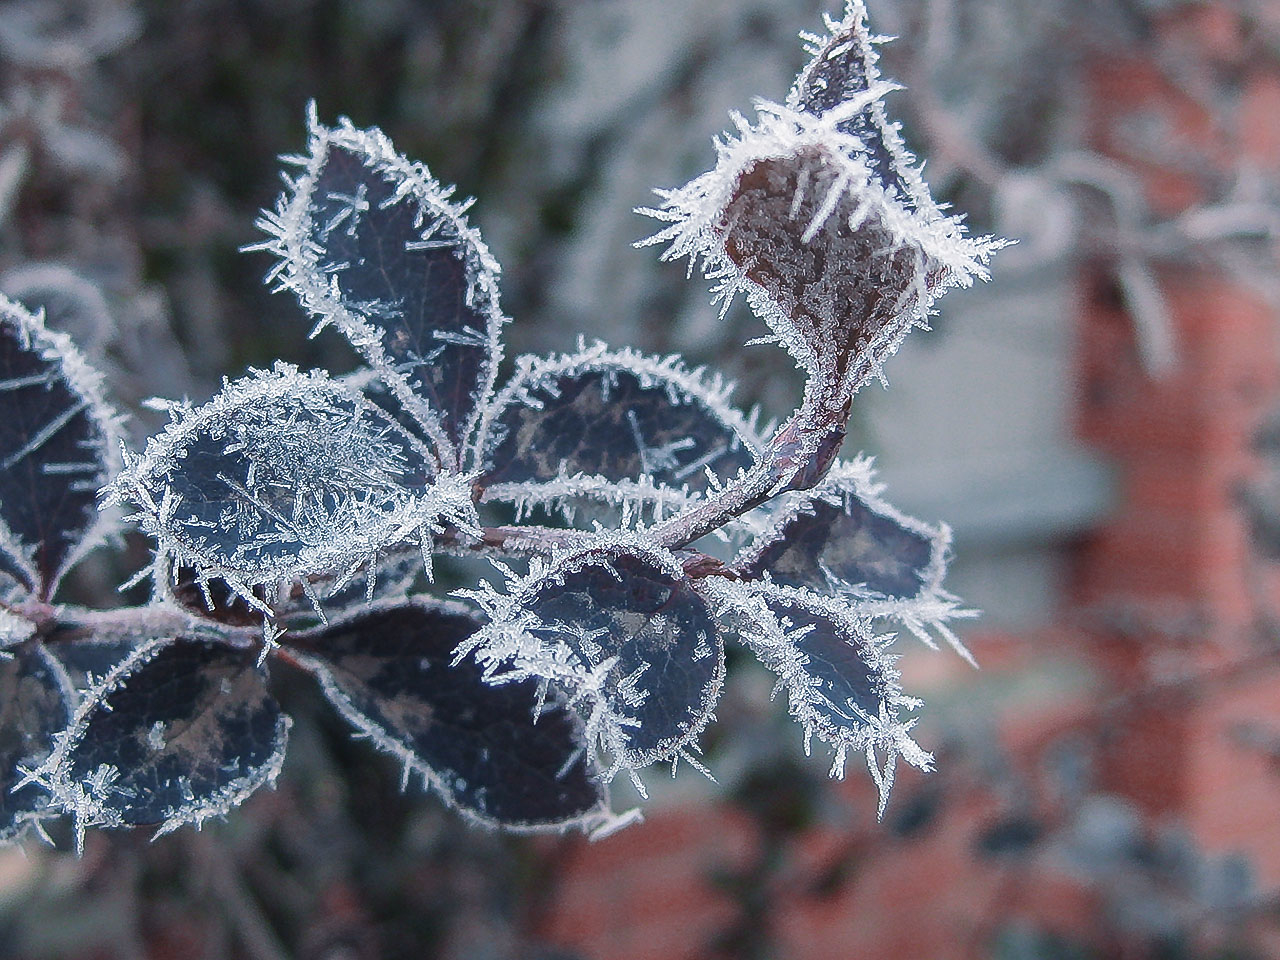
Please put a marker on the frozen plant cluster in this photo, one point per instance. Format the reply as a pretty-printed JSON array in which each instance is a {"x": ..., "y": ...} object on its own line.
[{"x": 635, "y": 520}]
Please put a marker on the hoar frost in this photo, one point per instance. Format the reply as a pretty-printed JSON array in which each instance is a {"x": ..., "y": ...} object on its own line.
[
  {"x": 298, "y": 506},
  {"x": 285, "y": 474},
  {"x": 818, "y": 213}
]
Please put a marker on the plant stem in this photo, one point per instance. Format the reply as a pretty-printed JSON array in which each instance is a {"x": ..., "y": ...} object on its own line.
[{"x": 797, "y": 458}]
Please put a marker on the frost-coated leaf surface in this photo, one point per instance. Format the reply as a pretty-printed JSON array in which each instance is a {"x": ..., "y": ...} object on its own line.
[
  {"x": 285, "y": 474},
  {"x": 817, "y": 213},
  {"x": 389, "y": 672},
  {"x": 35, "y": 703},
  {"x": 845, "y": 537},
  {"x": 612, "y": 425},
  {"x": 625, "y": 635},
  {"x": 181, "y": 731},
  {"x": 840, "y": 682},
  {"x": 373, "y": 244},
  {"x": 57, "y": 447},
  {"x": 843, "y": 70}
]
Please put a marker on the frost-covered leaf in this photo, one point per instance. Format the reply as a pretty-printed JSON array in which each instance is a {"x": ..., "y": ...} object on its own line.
[
  {"x": 818, "y": 214},
  {"x": 57, "y": 447},
  {"x": 88, "y": 660},
  {"x": 35, "y": 703},
  {"x": 371, "y": 243},
  {"x": 180, "y": 731},
  {"x": 842, "y": 537},
  {"x": 623, "y": 633},
  {"x": 389, "y": 672},
  {"x": 842, "y": 71},
  {"x": 840, "y": 682},
  {"x": 285, "y": 474},
  {"x": 613, "y": 426}
]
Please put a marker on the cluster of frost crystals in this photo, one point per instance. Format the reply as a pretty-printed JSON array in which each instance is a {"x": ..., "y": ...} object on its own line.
[
  {"x": 643, "y": 434},
  {"x": 373, "y": 245},
  {"x": 818, "y": 213},
  {"x": 605, "y": 651},
  {"x": 285, "y": 474},
  {"x": 57, "y": 447}
]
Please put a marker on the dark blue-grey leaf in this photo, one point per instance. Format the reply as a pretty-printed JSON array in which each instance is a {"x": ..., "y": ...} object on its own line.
[
  {"x": 56, "y": 450},
  {"x": 388, "y": 671},
  {"x": 180, "y": 731},
  {"x": 285, "y": 474},
  {"x": 35, "y": 703},
  {"x": 846, "y": 683},
  {"x": 843, "y": 68},
  {"x": 657, "y": 641},
  {"x": 373, "y": 244},
  {"x": 847, "y": 538},
  {"x": 839, "y": 678},
  {"x": 617, "y": 416}
]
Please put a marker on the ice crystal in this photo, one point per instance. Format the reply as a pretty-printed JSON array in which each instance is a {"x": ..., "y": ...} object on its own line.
[
  {"x": 818, "y": 213},
  {"x": 283, "y": 474},
  {"x": 57, "y": 446},
  {"x": 293, "y": 512}
]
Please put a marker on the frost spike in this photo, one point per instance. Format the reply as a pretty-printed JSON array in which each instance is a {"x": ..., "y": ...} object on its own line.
[
  {"x": 373, "y": 245},
  {"x": 819, "y": 214},
  {"x": 58, "y": 444}
]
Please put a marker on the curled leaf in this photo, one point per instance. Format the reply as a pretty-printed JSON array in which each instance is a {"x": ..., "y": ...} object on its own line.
[
  {"x": 817, "y": 213},
  {"x": 57, "y": 447},
  {"x": 480, "y": 746}
]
